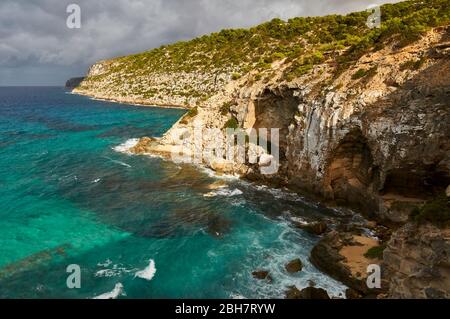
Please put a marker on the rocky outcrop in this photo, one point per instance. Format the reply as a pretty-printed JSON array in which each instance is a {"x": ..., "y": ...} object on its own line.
[
  {"x": 262, "y": 275},
  {"x": 74, "y": 82},
  {"x": 341, "y": 255},
  {"x": 370, "y": 133},
  {"x": 309, "y": 293},
  {"x": 294, "y": 266},
  {"x": 417, "y": 261},
  {"x": 379, "y": 147}
]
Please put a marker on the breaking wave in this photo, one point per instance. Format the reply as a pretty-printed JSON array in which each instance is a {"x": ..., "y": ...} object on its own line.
[
  {"x": 113, "y": 294},
  {"x": 148, "y": 273}
]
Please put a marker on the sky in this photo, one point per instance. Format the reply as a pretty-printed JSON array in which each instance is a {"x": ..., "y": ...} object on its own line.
[{"x": 37, "y": 47}]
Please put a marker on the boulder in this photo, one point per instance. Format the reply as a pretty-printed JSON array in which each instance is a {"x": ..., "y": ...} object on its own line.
[
  {"x": 315, "y": 228},
  {"x": 262, "y": 275},
  {"x": 293, "y": 293},
  {"x": 265, "y": 160},
  {"x": 307, "y": 293},
  {"x": 352, "y": 294},
  {"x": 294, "y": 266}
]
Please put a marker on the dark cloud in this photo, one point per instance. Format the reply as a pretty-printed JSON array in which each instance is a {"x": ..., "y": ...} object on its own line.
[{"x": 36, "y": 47}]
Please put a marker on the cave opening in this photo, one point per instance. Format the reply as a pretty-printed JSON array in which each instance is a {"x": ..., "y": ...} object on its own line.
[
  {"x": 351, "y": 173},
  {"x": 416, "y": 181},
  {"x": 276, "y": 110}
]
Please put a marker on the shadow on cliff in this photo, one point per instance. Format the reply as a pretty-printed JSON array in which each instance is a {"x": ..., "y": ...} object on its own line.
[{"x": 407, "y": 159}]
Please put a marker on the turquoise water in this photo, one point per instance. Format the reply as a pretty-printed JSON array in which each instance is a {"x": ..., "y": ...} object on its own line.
[{"x": 69, "y": 196}]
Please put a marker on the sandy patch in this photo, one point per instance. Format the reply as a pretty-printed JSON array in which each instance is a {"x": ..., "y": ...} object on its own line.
[{"x": 355, "y": 258}]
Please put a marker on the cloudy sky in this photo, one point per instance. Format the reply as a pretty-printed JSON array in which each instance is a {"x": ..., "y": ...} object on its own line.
[{"x": 37, "y": 48}]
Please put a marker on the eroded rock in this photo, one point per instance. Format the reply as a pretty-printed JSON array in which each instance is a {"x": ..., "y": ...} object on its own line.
[
  {"x": 294, "y": 266},
  {"x": 262, "y": 275},
  {"x": 307, "y": 293},
  {"x": 417, "y": 260}
]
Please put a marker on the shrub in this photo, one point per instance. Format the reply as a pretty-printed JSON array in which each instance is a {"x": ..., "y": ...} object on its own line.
[
  {"x": 190, "y": 114},
  {"x": 375, "y": 252},
  {"x": 359, "y": 74},
  {"x": 235, "y": 76},
  {"x": 277, "y": 56},
  {"x": 232, "y": 123},
  {"x": 413, "y": 64},
  {"x": 225, "y": 109},
  {"x": 436, "y": 211}
]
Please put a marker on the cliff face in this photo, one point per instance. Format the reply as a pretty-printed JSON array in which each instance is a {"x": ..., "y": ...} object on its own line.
[
  {"x": 365, "y": 126},
  {"x": 74, "y": 82},
  {"x": 418, "y": 261},
  {"x": 379, "y": 143}
]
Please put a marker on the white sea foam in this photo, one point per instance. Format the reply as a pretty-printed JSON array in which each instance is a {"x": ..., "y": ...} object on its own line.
[
  {"x": 224, "y": 192},
  {"x": 106, "y": 263},
  {"x": 118, "y": 162},
  {"x": 148, "y": 273},
  {"x": 214, "y": 174},
  {"x": 299, "y": 220},
  {"x": 112, "y": 270},
  {"x": 114, "y": 294},
  {"x": 236, "y": 296},
  {"x": 95, "y": 181},
  {"x": 287, "y": 246},
  {"x": 125, "y": 147}
]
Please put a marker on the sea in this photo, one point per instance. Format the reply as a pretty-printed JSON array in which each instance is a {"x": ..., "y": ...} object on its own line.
[{"x": 81, "y": 218}]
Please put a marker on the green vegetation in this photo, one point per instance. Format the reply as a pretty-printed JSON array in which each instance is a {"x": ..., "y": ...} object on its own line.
[
  {"x": 189, "y": 115},
  {"x": 235, "y": 76},
  {"x": 361, "y": 73},
  {"x": 226, "y": 108},
  {"x": 302, "y": 42},
  {"x": 436, "y": 211},
  {"x": 375, "y": 252},
  {"x": 413, "y": 64},
  {"x": 232, "y": 123}
]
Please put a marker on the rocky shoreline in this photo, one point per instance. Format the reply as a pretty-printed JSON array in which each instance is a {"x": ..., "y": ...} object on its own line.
[
  {"x": 373, "y": 138},
  {"x": 130, "y": 101}
]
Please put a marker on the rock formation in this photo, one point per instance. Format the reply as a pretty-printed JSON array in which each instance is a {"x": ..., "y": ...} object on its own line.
[
  {"x": 74, "y": 82},
  {"x": 367, "y": 131}
]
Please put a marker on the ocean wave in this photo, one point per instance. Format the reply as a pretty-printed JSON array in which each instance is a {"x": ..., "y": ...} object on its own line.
[
  {"x": 113, "y": 271},
  {"x": 118, "y": 162},
  {"x": 106, "y": 263},
  {"x": 148, "y": 273},
  {"x": 286, "y": 246},
  {"x": 125, "y": 147},
  {"x": 113, "y": 294},
  {"x": 214, "y": 174},
  {"x": 226, "y": 192}
]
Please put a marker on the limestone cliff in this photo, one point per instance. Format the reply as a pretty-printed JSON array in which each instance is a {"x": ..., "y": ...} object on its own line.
[
  {"x": 74, "y": 82},
  {"x": 418, "y": 261},
  {"x": 379, "y": 143},
  {"x": 363, "y": 113}
]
